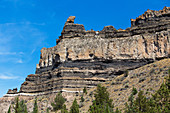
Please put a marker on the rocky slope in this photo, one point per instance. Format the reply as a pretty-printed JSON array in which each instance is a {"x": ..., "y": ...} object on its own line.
[
  {"x": 147, "y": 78},
  {"x": 85, "y": 58}
]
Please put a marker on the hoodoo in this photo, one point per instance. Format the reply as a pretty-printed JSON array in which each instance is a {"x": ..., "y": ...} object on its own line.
[{"x": 85, "y": 58}]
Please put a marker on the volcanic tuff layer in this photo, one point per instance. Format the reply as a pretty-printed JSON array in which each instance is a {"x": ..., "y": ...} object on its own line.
[{"x": 85, "y": 58}]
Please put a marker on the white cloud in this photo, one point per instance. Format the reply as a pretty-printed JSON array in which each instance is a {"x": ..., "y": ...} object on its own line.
[
  {"x": 20, "y": 61},
  {"x": 23, "y": 23},
  {"x": 18, "y": 41},
  {"x": 8, "y": 53},
  {"x": 2, "y": 76},
  {"x": 33, "y": 51},
  {"x": 11, "y": 53},
  {"x": 21, "y": 53}
]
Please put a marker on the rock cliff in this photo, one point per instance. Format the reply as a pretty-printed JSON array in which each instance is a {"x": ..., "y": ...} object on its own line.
[{"x": 85, "y": 58}]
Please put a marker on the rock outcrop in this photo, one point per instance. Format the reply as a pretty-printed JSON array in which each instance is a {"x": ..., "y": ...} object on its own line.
[
  {"x": 85, "y": 58},
  {"x": 12, "y": 91}
]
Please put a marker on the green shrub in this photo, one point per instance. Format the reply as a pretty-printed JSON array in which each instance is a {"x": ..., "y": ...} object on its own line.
[
  {"x": 75, "y": 107},
  {"x": 20, "y": 106},
  {"x": 85, "y": 90},
  {"x": 58, "y": 102},
  {"x": 82, "y": 99},
  {"x": 9, "y": 109},
  {"x": 35, "y": 109},
  {"x": 64, "y": 109},
  {"x": 102, "y": 102}
]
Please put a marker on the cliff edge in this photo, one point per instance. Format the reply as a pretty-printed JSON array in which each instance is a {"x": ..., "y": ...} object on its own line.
[{"x": 85, "y": 58}]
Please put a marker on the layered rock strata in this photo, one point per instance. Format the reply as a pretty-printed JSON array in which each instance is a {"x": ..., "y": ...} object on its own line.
[{"x": 85, "y": 58}]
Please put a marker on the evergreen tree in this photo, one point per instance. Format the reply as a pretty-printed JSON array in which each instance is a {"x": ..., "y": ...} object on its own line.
[
  {"x": 9, "y": 109},
  {"x": 64, "y": 109},
  {"x": 35, "y": 109},
  {"x": 16, "y": 105},
  {"x": 25, "y": 110},
  {"x": 75, "y": 107},
  {"x": 158, "y": 103},
  {"x": 102, "y": 102},
  {"x": 126, "y": 73},
  {"x": 102, "y": 96},
  {"x": 48, "y": 110},
  {"x": 141, "y": 104},
  {"x": 82, "y": 99},
  {"x": 58, "y": 102},
  {"x": 130, "y": 108},
  {"x": 117, "y": 111},
  {"x": 85, "y": 90},
  {"x": 20, "y": 107}
]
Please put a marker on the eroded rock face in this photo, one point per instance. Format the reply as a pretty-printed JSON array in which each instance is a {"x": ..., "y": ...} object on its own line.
[
  {"x": 12, "y": 91},
  {"x": 151, "y": 16},
  {"x": 85, "y": 58}
]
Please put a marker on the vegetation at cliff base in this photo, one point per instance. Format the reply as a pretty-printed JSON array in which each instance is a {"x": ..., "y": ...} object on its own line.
[
  {"x": 58, "y": 102},
  {"x": 102, "y": 102},
  {"x": 85, "y": 90},
  {"x": 20, "y": 106},
  {"x": 138, "y": 102},
  {"x": 75, "y": 107},
  {"x": 157, "y": 103},
  {"x": 64, "y": 109},
  {"x": 9, "y": 110},
  {"x": 35, "y": 109}
]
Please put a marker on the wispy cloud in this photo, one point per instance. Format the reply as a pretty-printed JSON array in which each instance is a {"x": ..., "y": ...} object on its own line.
[
  {"x": 21, "y": 53},
  {"x": 11, "y": 53},
  {"x": 24, "y": 23},
  {"x": 8, "y": 53},
  {"x": 33, "y": 51},
  {"x": 30, "y": 23},
  {"x": 2, "y": 76},
  {"x": 19, "y": 61},
  {"x": 10, "y": 76},
  {"x": 18, "y": 37}
]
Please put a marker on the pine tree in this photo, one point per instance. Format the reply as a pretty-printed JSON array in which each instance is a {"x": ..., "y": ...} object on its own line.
[
  {"x": 64, "y": 109},
  {"x": 48, "y": 110},
  {"x": 117, "y": 111},
  {"x": 82, "y": 99},
  {"x": 126, "y": 73},
  {"x": 58, "y": 102},
  {"x": 9, "y": 109},
  {"x": 20, "y": 107},
  {"x": 102, "y": 96},
  {"x": 141, "y": 103},
  {"x": 85, "y": 90},
  {"x": 35, "y": 109},
  {"x": 130, "y": 108},
  {"x": 75, "y": 107},
  {"x": 102, "y": 102},
  {"x": 16, "y": 105},
  {"x": 158, "y": 103},
  {"x": 25, "y": 110}
]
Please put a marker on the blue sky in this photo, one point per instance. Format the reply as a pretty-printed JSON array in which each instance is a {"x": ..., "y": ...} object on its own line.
[{"x": 28, "y": 25}]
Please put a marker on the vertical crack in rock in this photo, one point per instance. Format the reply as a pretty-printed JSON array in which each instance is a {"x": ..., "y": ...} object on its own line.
[{"x": 145, "y": 45}]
